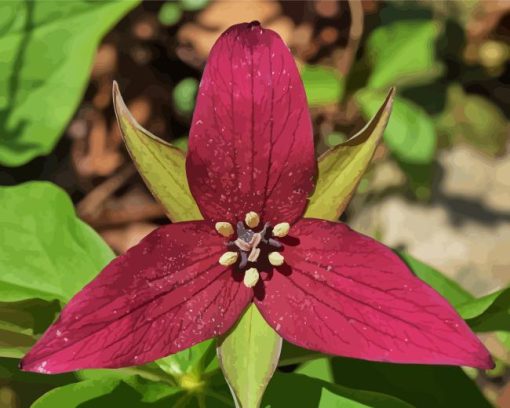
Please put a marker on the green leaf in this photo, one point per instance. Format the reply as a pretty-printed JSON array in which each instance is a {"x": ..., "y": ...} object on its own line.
[
  {"x": 410, "y": 134},
  {"x": 184, "y": 95},
  {"x": 161, "y": 165},
  {"x": 296, "y": 390},
  {"x": 320, "y": 368},
  {"x": 488, "y": 313},
  {"x": 21, "y": 323},
  {"x": 28, "y": 386},
  {"x": 107, "y": 393},
  {"x": 403, "y": 53},
  {"x": 323, "y": 85},
  {"x": 341, "y": 168},
  {"x": 152, "y": 391},
  {"x": 14, "y": 344},
  {"x": 292, "y": 354},
  {"x": 422, "y": 386},
  {"x": 475, "y": 120},
  {"x": 248, "y": 356},
  {"x": 170, "y": 13},
  {"x": 46, "y": 251},
  {"x": 73, "y": 395},
  {"x": 198, "y": 359},
  {"x": 47, "y": 48},
  {"x": 193, "y": 5}
]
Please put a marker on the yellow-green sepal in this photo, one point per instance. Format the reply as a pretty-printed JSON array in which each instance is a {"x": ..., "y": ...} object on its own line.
[
  {"x": 248, "y": 356},
  {"x": 161, "y": 165},
  {"x": 340, "y": 169}
]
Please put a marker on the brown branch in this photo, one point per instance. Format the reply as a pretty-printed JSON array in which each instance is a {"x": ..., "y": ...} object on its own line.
[
  {"x": 355, "y": 33},
  {"x": 90, "y": 206}
]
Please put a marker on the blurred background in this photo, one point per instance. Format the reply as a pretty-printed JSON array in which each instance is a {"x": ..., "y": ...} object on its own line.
[{"x": 439, "y": 185}]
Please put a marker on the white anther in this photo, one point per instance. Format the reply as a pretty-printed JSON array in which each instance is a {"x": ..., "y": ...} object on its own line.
[
  {"x": 252, "y": 219},
  {"x": 251, "y": 277},
  {"x": 276, "y": 259},
  {"x": 224, "y": 228},
  {"x": 281, "y": 230},
  {"x": 228, "y": 258}
]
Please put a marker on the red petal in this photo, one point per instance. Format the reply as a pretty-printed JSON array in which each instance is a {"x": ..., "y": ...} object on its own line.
[
  {"x": 347, "y": 294},
  {"x": 251, "y": 142},
  {"x": 164, "y": 295}
]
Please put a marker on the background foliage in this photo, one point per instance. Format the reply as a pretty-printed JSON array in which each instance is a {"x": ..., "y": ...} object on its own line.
[{"x": 70, "y": 196}]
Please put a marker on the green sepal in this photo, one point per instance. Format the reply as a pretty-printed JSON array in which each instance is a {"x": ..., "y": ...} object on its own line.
[
  {"x": 161, "y": 165},
  {"x": 341, "y": 167},
  {"x": 248, "y": 356}
]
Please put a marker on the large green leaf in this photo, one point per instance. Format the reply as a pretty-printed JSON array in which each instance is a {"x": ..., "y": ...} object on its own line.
[
  {"x": 21, "y": 323},
  {"x": 341, "y": 168},
  {"x": 410, "y": 134},
  {"x": 28, "y": 386},
  {"x": 46, "y": 52},
  {"x": 323, "y": 85},
  {"x": 488, "y": 313},
  {"x": 161, "y": 165},
  {"x": 248, "y": 356},
  {"x": 422, "y": 386},
  {"x": 73, "y": 395},
  {"x": 46, "y": 252},
  {"x": 296, "y": 390},
  {"x": 112, "y": 388},
  {"x": 319, "y": 368},
  {"x": 403, "y": 53}
]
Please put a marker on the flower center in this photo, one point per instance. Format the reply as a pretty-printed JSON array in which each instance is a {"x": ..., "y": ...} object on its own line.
[{"x": 252, "y": 244}]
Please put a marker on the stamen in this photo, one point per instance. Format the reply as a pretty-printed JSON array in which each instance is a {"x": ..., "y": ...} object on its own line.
[
  {"x": 254, "y": 255},
  {"x": 276, "y": 259},
  {"x": 228, "y": 258},
  {"x": 251, "y": 277},
  {"x": 252, "y": 219},
  {"x": 224, "y": 228},
  {"x": 281, "y": 230}
]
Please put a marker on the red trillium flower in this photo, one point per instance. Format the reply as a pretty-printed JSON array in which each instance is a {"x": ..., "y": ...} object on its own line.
[{"x": 319, "y": 284}]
